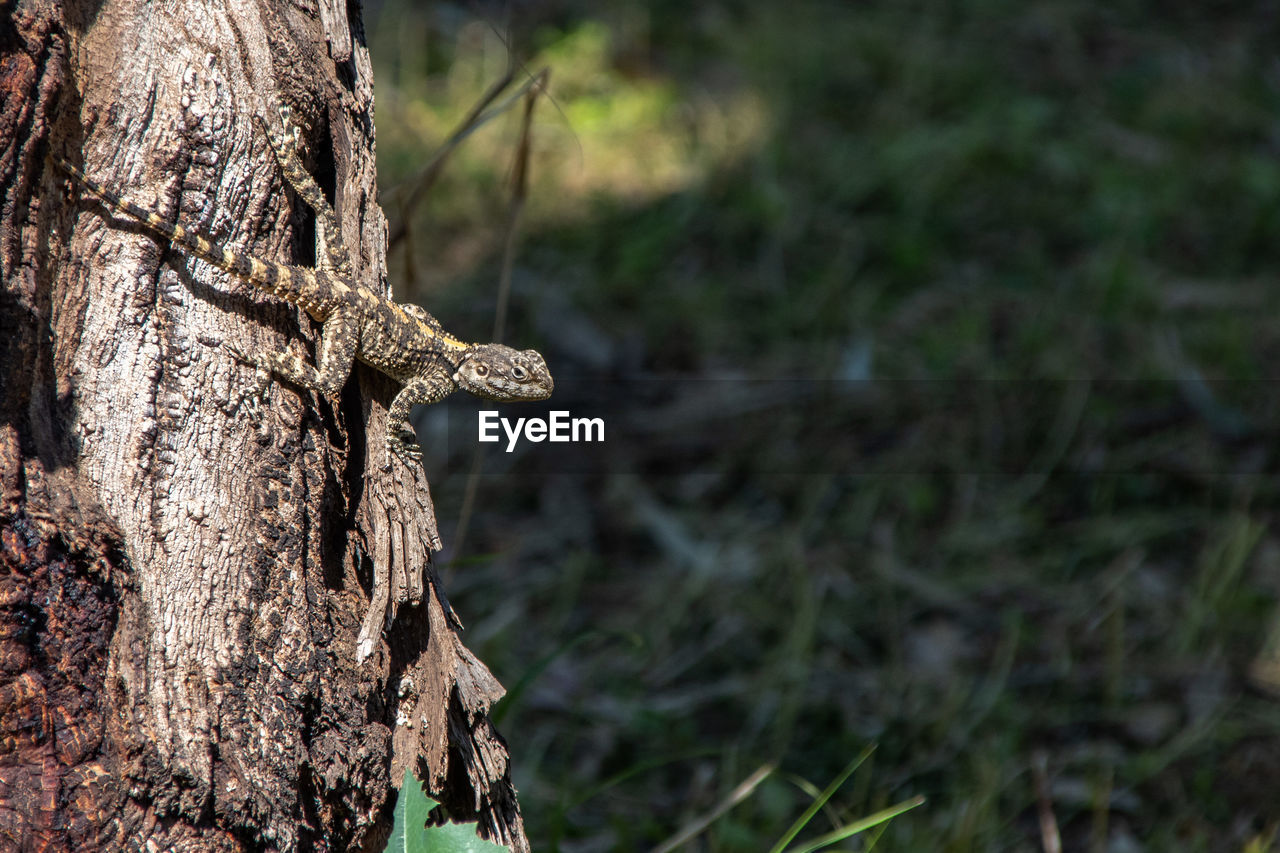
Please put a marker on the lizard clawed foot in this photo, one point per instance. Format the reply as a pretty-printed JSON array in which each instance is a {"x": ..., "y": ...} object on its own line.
[
  {"x": 257, "y": 394},
  {"x": 403, "y": 446}
]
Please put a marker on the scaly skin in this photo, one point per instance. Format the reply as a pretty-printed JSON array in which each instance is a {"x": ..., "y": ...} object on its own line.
[{"x": 403, "y": 341}]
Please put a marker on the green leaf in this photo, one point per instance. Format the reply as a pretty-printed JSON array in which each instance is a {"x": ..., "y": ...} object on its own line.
[
  {"x": 854, "y": 828},
  {"x": 458, "y": 838},
  {"x": 410, "y": 834},
  {"x": 821, "y": 800}
]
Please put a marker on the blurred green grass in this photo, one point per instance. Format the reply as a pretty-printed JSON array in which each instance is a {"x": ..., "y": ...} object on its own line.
[{"x": 980, "y": 191}]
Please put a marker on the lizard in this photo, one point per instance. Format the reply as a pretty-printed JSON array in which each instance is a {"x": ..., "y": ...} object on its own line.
[{"x": 401, "y": 340}]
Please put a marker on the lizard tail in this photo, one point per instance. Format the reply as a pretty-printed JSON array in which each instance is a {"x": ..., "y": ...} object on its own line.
[{"x": 292, "y": 283}]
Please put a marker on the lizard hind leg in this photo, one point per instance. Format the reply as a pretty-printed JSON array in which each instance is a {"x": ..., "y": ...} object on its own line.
[
  {"x": 339, "y": 338},
  {"x": 286, "y": 145}
]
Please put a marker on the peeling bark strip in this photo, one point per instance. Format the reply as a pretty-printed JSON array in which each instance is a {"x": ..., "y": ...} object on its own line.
[{"x": 181, "y": 595}]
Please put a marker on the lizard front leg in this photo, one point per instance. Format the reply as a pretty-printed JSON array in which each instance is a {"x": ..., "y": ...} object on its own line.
[{"x": 431, "y": 387}]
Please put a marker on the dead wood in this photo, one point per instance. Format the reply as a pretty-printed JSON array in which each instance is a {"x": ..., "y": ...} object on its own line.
[{"x": 183, "y": 595}]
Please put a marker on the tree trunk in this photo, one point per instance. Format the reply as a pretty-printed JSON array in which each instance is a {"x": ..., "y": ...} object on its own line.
[{"x": 183, "y": 591}]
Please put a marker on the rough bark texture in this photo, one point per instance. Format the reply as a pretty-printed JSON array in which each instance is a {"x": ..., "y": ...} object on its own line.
[{"x": 181, "y": 593}]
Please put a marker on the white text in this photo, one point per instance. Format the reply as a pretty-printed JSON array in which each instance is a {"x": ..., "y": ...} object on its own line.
[{"x": 557, "y": 427}]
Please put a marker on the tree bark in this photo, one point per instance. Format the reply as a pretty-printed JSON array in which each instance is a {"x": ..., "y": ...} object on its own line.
[{"x": 182, "y": 593}]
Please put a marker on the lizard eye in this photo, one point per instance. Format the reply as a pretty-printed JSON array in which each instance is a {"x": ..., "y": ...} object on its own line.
[
  {"x": 518, "y": 372},
  {"x": 482, "y": 369}
]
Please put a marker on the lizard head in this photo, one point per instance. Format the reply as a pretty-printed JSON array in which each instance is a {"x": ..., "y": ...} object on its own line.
[{"x": 498, "y": 372}]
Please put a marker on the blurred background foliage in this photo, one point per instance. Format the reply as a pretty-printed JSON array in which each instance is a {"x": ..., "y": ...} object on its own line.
[{"x": 1037, "y": 565}]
